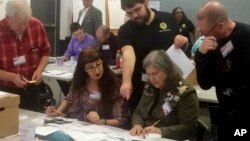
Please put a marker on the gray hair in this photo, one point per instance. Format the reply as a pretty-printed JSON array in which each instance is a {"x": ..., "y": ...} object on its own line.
[
  {"x": 18, "y": 8},
  {"x": 160, "y": 60}
]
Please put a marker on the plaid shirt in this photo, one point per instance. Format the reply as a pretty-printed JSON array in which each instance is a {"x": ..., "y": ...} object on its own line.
[{"x": 33, "y": 45}]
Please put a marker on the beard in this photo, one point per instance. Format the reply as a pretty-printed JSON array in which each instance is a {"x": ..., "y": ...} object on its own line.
[{"x": 140, "y": 21}]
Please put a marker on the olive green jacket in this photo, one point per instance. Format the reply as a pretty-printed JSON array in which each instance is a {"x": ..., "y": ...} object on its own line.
[{"x": 180, "y": 123}]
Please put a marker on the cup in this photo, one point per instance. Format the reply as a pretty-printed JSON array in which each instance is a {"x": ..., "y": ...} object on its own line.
[
  {"x": 153, "y": 136},
  {"x": 59, "y": 61},
  {"x": 27, "y": 132}
]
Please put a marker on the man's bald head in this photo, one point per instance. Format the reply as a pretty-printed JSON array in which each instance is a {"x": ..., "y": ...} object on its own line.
[{"x": 213, "y": 12}]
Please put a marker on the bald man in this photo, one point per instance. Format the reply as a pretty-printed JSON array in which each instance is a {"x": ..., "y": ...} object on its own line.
[
  {"x": 108, "y": 43},
  {"x": 223, "y": 61}
]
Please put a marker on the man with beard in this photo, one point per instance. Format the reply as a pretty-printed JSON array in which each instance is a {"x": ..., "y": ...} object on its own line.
[
  {"x": 146, "y": 30},
  {"x": 223, "y": 61}
]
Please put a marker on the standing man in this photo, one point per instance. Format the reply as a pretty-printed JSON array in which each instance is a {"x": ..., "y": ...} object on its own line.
[
  {"x": 108, "y": 43},
  {"x": 223, "y": 61},
  {"x": 146, "y": 30},
  {"x": 25, "y": 50},
  {"x": 90, "y": 18}
]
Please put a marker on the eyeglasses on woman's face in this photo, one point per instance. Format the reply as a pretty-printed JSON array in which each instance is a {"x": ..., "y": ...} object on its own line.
[{"x": 93, "y": 66}]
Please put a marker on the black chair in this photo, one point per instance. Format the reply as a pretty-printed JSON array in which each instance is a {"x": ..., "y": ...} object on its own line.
[{"x": 202, "y": 132}]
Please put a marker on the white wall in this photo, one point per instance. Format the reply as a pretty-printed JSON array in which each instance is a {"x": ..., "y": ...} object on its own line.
[
  {"x": 66, "y": 14},
  {"x": 65, "y": 18}
]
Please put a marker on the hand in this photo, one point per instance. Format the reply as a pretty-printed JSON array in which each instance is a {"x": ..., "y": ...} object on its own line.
[
  {"x": 20, "y": 81},
  {"x": 151, "y": 129},
  {"x": 180, "y": 41},
  {"x": 37, "y": 76},
  {"x": 126, "y": 90},
  {"x": 93, "y": 117},
  {"x": 65, "y": 58},
  {"x": 136, "y": 130},
  {"x": 209, "y": 43},
  {"x": 51, "y": 111}
]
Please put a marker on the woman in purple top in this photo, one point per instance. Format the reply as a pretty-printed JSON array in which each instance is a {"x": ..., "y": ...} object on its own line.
[
  {"x": 79, "y": 40},
  {"x": 94, "y": 95}
]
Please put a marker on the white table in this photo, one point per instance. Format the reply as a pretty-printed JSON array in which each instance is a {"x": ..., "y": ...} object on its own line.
[
  {"x": 206, "y": 95},
  {"x": 26, "y": 117},
  {"x": 63, "y": 72}
]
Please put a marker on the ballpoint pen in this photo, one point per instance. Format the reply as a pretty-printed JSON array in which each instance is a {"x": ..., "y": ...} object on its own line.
[{"x": 155, "y": 123}]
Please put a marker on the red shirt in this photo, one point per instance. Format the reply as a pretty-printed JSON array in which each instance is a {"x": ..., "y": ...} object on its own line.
[{"x": 33, "y": 45}]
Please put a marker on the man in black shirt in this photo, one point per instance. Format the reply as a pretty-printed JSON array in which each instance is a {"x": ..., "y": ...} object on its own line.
[
  {"x": 108, "y": 43},
  {"x": 146, "y": 30},
  {"x": 223, "y": 61}
]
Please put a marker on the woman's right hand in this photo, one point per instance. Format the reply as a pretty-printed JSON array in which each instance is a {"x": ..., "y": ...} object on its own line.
[
  {"x": 136, "y": 130},
  {"x": 51, "y": 111}
]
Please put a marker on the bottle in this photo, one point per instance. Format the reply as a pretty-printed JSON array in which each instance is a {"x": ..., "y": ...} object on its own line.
[{"x": 118, "y": 58}]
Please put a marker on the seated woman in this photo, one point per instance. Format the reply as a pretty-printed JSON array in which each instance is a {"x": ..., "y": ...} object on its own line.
[
  {"x": 94, "y": 95},
  {"x": 168, "y": 99}
]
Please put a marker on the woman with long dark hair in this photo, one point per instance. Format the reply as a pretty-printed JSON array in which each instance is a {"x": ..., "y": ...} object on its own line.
[{"x": 94, "y": 95}]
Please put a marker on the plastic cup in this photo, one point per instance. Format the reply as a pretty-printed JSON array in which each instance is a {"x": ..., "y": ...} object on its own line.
[
  {"x": 27, "y": 132},
  {"x": 153, "y": 136},
  {"x": 59, "y": 61}
]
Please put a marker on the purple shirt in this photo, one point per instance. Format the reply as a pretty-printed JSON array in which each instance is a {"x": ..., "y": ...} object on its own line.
[{"x": 75, "y": 47}]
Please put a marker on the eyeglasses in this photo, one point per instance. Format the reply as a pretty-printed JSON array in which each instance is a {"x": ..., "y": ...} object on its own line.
[
  {"x": 209, "y": 31},
  {"x": 137, "y": 9},
  {"x": 96, "y": 65}
]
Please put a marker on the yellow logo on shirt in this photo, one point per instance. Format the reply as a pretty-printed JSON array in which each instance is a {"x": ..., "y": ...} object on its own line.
[{"x": 163, "y": 26}]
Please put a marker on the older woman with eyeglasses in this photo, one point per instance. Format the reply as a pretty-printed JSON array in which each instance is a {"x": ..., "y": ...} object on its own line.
[
  {"x": 94, "y": 95},
  {"x": 169, "y": 105}
]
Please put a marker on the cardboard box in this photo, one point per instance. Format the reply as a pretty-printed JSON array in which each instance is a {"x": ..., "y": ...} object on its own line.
[
  {"x": 192, "y": 79},
  {"x": 9, "y": 114}
]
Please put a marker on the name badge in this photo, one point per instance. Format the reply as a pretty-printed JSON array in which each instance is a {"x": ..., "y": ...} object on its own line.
[
  {"x": 95, "y": 96},
  {"x": 19, "y": 60},
  {"x": 227, "y": 48},
  {"x": 166, "y": 108},
  {"x": 105, "y": 47},
  {"x": 144, "y": 77}
]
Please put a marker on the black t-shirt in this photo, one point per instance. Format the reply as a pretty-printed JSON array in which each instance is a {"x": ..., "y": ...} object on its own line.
[
  {"x": 109, "y": 49},
  {"x": 228, "y": 72},
  {"x": 159, "y": 35},
  {"x": 186, "y": 27}
]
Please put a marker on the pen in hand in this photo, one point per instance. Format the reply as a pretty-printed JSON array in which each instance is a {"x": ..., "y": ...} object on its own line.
[
  {"x": 153, "y": 126},
  {"x": 155, "y": 123}
]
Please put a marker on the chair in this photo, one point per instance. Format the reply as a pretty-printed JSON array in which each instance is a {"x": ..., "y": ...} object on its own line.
[{"x": 202, "y": 132}]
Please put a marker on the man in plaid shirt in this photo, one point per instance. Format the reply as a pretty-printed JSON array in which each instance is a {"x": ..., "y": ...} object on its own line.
[{"x": 24, "y": 49}]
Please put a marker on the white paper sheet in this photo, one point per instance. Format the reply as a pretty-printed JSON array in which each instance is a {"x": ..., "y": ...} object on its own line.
[
  {"x": 46, "y": 130},
  {"x": 181, "y": 60},
  {"x": 80, "y": 136}
]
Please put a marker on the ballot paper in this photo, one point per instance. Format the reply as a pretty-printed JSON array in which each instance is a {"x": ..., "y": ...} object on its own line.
[{"x": 181, "y": 60}]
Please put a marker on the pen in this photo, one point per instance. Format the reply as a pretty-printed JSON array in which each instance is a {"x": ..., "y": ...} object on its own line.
[{"x": 155, "y": 123}]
